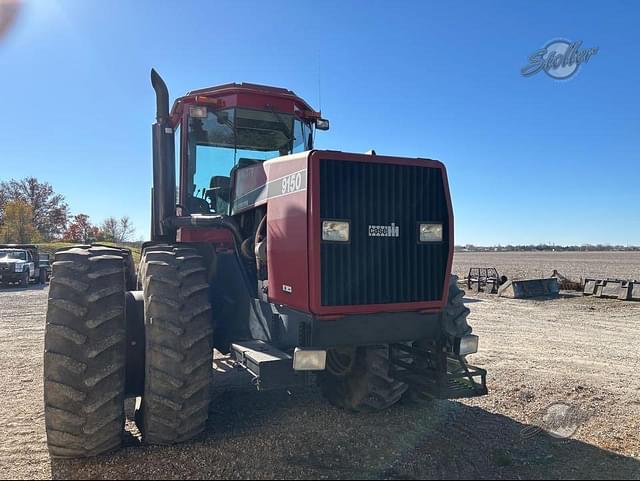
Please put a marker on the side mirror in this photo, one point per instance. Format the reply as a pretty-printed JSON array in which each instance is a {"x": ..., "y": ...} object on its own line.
[
  {"x": 322, "y": 124},
  {"x": 220, "y": 182}
]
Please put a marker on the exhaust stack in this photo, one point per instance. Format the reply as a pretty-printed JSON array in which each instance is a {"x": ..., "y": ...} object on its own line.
[{"x": 163, "y": 193}]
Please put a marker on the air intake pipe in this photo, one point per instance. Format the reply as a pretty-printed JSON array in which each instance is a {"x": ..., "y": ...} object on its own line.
[{"x": 163, "y": 193}]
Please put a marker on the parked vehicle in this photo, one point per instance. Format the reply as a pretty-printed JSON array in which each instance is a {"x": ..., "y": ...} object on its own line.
[{"x": 21, "y": 264}]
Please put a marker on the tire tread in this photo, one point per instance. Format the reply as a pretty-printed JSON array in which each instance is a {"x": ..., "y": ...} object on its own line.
[
  {"x": 179, "y": 336},
  {"x": 85, "y": 349}
]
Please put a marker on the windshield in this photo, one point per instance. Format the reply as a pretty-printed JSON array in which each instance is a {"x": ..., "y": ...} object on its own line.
[
  {"x": 18, "y": 255},
  {"x": 222, "y": 139}
]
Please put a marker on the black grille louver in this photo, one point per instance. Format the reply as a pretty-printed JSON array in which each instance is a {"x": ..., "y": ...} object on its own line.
[{"x": 382, "y": 270}]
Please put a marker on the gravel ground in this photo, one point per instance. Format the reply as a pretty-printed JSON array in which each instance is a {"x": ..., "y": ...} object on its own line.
[
  {"x": 582, "y": 352},
  {"x": 23, "y": 451}
]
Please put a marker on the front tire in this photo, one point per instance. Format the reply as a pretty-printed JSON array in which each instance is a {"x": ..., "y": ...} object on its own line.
[
  {"x": 179, "y": 350},
  {"x": 24, "y": 280},
  {"x": 367, "y": 385},
  {"x": 455, "y": 314},
  {"x": 85, "y": 351},
  {"x": 453, "y": 325}
]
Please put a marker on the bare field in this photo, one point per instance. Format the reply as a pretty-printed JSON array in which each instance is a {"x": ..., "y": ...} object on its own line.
[
  {"x": 620, "y": 265},
  {"x": 582, "y": 352}
]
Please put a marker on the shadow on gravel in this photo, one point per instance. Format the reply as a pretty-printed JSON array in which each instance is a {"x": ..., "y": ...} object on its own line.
[
  {"x": 280, "y": 435},
  {"x": 476, "y": 444}
]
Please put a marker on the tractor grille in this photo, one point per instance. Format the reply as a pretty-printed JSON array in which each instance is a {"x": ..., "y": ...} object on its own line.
[
  {"x": 382, "y": 270},
  {"x": 5, "y": 267}
]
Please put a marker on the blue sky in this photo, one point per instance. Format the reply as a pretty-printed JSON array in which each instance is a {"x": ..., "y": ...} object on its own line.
[{"x": 530, "y": 159}]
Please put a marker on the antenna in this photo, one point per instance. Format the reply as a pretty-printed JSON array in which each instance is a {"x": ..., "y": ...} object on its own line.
[
  {"x": 319, "y": 93},
  {"x": 319, "y": 85}
]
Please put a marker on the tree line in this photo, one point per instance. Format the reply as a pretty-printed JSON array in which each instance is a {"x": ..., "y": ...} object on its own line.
[{"x": 32, "y": 212}]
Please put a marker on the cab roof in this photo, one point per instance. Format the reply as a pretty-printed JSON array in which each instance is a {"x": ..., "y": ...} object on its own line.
[{"x": 245, "y": 95}]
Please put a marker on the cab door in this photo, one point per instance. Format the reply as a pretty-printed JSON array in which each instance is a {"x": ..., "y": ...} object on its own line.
[{"x": 31, "y": 264}]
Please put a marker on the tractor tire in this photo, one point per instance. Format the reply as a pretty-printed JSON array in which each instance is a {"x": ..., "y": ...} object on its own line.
[
  {"x": 455, "y": 314},
  {"x": 367, "y": 386},
  {"x": 85, "y": 353},
  {"x": 453, "y": 324},
  {"x": 24, "y": 280},
  {"x": 142, "y": 268},
  {"x": 179, "y": 345}
]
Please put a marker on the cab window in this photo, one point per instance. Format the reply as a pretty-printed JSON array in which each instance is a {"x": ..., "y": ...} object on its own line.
[{"x": 219, "y": 139}]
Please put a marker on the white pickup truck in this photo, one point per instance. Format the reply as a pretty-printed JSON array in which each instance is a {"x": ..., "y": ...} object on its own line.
[{"x": 22, "y": 264}]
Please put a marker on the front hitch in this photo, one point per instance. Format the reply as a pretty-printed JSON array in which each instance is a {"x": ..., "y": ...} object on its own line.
[{"x": 436, "y": 372}]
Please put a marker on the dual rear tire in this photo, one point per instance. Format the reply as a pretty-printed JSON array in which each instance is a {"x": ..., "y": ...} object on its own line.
[
  {"x": 178, "y": 350},
  {"x": 86, "y": 349},
  {"x": 85, "y": 353}
]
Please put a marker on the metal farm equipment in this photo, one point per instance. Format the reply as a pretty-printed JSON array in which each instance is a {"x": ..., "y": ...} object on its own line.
[
  {"x": 484, "y": 279},
  {"x": 624, "y": 290}
]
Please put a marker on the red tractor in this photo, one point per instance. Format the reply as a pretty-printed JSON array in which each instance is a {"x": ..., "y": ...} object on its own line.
[{"x": 303, "y": 265}]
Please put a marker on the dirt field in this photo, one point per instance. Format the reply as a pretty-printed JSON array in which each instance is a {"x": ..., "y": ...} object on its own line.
[
  {"x": 621, "y": 265},
  {"x": 578, "y": 351}
]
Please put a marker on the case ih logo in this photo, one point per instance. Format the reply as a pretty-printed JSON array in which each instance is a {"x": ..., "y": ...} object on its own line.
[{"x": 384, "y": 230}]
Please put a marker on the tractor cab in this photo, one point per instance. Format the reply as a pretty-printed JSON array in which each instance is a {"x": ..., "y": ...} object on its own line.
[{"x": 230, "y": 127}]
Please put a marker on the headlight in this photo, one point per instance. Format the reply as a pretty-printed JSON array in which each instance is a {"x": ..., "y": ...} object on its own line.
[
  {"x": 466, "y": 345},
  {"x": 431, "y": 232},
  {"x": 335, "y": 231},
  {"x": 309, "y": 360}
]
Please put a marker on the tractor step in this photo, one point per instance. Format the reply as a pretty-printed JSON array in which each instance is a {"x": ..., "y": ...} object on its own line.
[
  {"x": 438, "y": 375},
  {"x": 269, "y": 367}
]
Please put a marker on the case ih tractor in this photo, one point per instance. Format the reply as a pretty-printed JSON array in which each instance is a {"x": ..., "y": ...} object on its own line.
[{"x": 303, "y": 265}]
